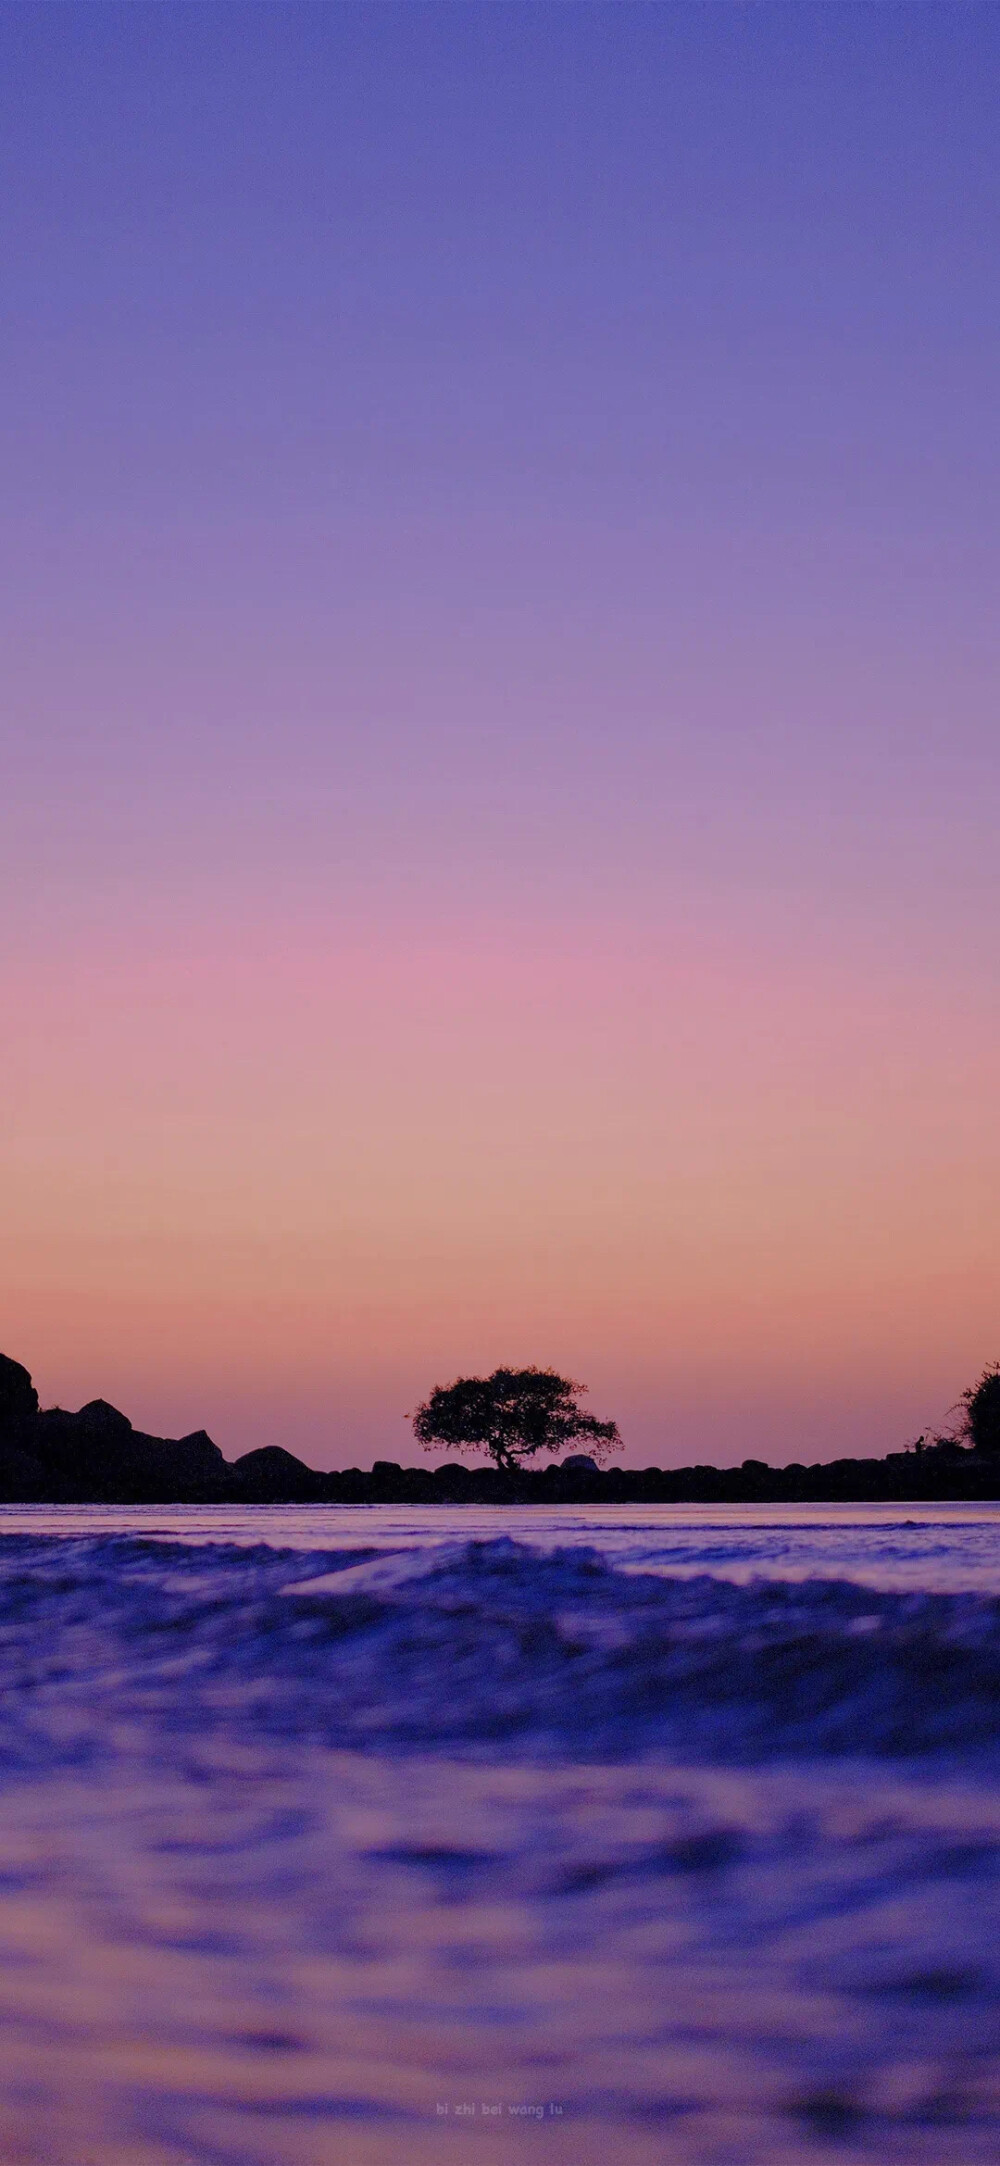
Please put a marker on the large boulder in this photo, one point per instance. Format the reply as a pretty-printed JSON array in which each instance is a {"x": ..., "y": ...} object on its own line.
[
  {"x": 199, "y": 1453},
  {"x": 576, "y": 1479},
  {"x": 174, "y": 1469},
  {"x": 18, "y": 1398},
  {"x": 274, "y": 1476},
  {"x": 100, "y": 1419},
  {"x": 96, "y": 1455}
]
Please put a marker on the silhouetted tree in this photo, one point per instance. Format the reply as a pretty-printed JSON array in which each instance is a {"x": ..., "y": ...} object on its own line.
[
  {"x": 980, "y": 1422},
  {"x": 511, "y": 1415}
]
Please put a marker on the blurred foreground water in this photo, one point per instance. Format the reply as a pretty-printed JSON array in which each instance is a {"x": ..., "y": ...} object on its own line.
[{"x": 448, "y": 1835}]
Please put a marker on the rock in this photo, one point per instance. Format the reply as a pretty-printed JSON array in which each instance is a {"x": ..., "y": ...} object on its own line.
[
  {"x": 175, "y": 1467},
  {"x": 577, "y": 1478},
  {"x": 384, "y": 1481},
  {"x": 198, "y": 1447},
  {"x": 96, "y": 1456},
  {"x": 105, "y": 1421},
  {"x": 18, "y": 1397},
  {"x": 273, "y": 1476},
  {"x": 451, "y": 1480},
  {"x": 22, "y": 1477}
]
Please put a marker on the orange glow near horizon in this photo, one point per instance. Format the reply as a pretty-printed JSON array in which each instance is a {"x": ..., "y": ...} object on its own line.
[{"x": 279, "y": 1179}]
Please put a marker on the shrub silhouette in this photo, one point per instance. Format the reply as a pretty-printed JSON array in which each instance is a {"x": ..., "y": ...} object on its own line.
[
  {"x": 511, "y": 1415},
  {"x": 980, "y": 1422}
]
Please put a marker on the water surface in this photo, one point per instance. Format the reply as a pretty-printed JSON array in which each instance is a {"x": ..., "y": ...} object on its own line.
[{"x": 455, "y": 1833}]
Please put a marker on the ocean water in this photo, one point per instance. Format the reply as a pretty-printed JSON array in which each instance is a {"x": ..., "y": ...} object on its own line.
[{"x": 378, "y": 1837}]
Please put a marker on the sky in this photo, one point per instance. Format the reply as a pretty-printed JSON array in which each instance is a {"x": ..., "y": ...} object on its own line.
[{"x": 499, "y": 771}]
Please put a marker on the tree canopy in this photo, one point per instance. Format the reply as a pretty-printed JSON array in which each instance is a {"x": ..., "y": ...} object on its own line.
[{"x": 511, "y": 1415}]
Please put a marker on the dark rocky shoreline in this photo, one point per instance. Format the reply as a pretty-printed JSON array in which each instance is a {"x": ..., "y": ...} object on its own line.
[{"x": 95, "y": 1456}]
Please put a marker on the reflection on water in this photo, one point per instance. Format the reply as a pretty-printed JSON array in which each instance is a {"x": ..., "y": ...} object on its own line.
[{"x": 274, "y": 1893}]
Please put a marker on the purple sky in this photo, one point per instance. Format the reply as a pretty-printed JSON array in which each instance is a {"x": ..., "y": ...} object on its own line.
[{"x": 499, "y": 741}]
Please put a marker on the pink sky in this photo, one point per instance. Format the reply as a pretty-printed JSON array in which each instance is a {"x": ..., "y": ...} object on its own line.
[{"x": 281, "y": 1176}]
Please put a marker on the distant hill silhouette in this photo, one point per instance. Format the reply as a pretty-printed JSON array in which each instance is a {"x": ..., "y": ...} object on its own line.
[{"x": 95, "y": 1456}]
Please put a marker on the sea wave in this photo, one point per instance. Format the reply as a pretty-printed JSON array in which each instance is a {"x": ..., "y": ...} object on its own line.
[
  {"x": 476, "y": 1648},
  {"x": 478, "y": 1847}
]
